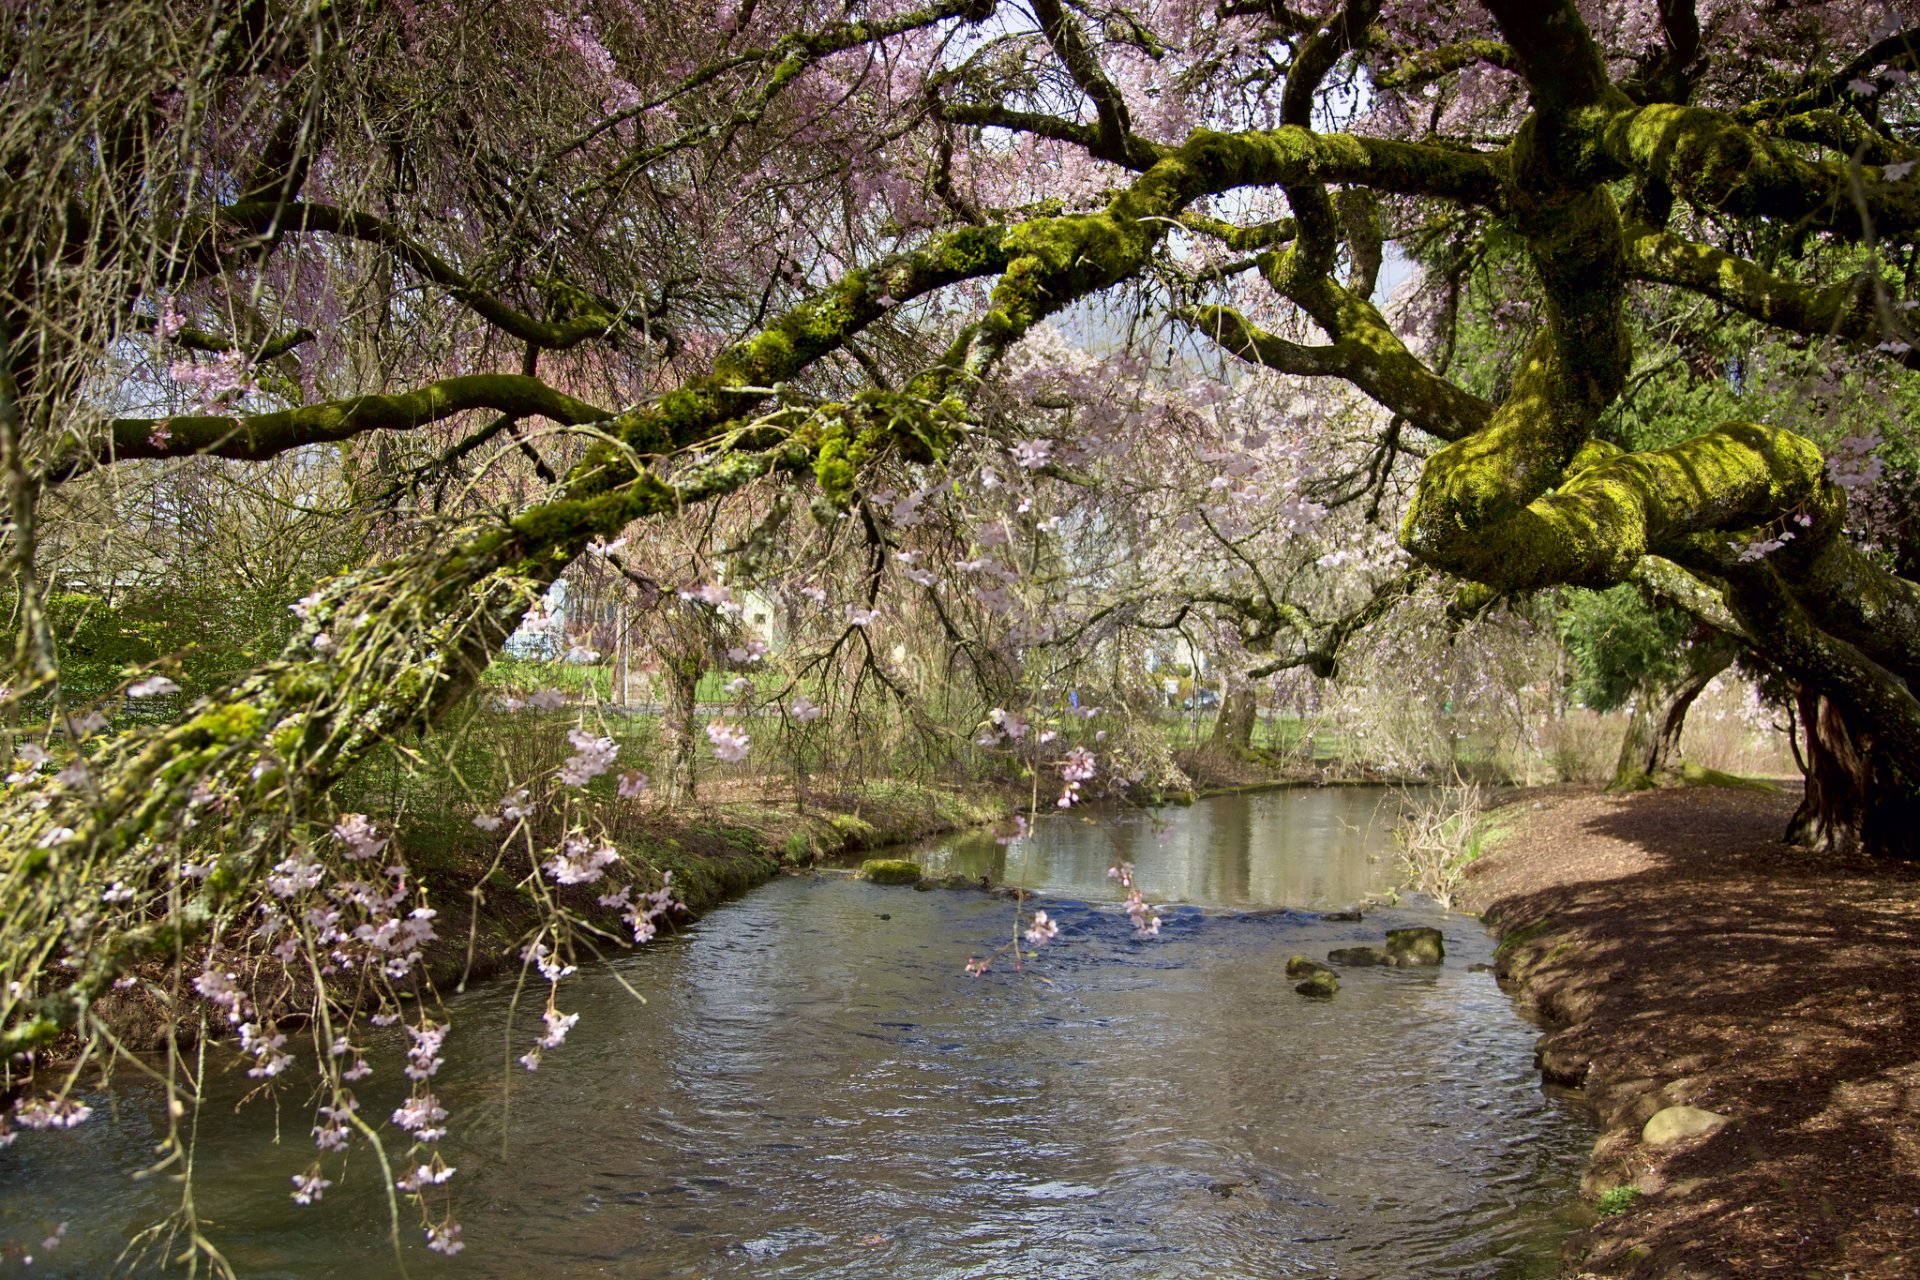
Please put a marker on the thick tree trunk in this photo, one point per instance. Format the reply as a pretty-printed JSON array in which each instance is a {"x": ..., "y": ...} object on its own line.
[
  {"x": 1664, "y": 758},
  {"x": 1650, "y": 750},
  {"x": 1233, "y": 725},
  {"x": 681, "y": 680},
  {"x": 1853, "y": 799},
  {"x": 1630, "y": 773}
]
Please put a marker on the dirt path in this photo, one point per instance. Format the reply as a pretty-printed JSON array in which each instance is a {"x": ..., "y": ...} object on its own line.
[{"x": 1687, "y": 956}]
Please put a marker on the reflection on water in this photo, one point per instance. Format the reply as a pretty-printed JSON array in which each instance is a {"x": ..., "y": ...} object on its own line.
[
  {"x": 1318, "y": 849},
  {"x": 814, "y": 1088}
]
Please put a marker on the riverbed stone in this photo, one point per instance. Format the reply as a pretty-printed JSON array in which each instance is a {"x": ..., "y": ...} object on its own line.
[
  {"x": 890, "y": 871},
  {"x": 1301, "y": 967},
  {"x": 1676, "y": 1124},
  {"x": 1419, "y": 945},
  {"x": 1320, "y": 985},
  {"x": 1359, "y": 957}
]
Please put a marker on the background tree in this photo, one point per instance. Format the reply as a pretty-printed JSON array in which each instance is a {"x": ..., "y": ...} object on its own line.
[{"x": 1654, "y": 660}]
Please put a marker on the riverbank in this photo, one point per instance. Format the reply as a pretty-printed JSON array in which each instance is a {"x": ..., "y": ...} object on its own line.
[{"x": 1681, "y": 954}]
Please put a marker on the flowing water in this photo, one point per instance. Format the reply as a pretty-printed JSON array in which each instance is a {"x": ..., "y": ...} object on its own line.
[{"x": 814, "y": 1088}]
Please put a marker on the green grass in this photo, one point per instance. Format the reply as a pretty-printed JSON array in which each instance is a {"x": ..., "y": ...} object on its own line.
[
  {"x": 1526, "y": 933},
  {"x": 1698, "y": 776},
  {"x": 1617, "y": 1201}
]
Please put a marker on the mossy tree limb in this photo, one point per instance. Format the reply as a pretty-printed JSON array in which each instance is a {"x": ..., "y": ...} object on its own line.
[
  {"x": 258, "y": 436},
  {"x": 1366, "y": 353},
  {"x": 1845, "y": 309}
]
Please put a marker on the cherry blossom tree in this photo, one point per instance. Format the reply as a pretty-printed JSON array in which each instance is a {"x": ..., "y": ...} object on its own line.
[{"x": 573, "y": 272}]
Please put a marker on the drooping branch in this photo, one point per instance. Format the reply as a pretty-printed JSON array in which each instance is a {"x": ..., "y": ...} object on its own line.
[
  {"x": 1422, "y": 67},
  {"x": 394, "y": 647},
  {"x": 1898, "y": 50},
  {"x": 787, "y": 59},
  {"x": 592, "y": 316}
]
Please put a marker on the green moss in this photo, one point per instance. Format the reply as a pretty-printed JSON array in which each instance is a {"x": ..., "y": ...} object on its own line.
[
  {"x": 1301, "y": 967},
  {"x": 1320, "y": 984},
  {"x": 230, "y": 722},
  {"x": 1700, "y": 776},
  {"x": 1514, "y": 939},
  {"x": 832, "y": 469},
  {"x": 890, "y": 871}
]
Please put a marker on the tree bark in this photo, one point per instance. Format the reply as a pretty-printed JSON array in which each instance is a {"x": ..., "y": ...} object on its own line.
[
  {"x": 1853, "y": 798},
  {"x": 1233, "y": 724},
  {"x": 681, "y": 680},
  {"x": 1631, "y": 773},
  {"x": 1650, "y": 751}
]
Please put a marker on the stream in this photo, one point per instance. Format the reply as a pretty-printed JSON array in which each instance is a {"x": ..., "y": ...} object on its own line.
[{"x": 815, "y": 1088}]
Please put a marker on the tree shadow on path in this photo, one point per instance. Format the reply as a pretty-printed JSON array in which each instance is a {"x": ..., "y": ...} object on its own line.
[{"x": 1687, "y": 955}]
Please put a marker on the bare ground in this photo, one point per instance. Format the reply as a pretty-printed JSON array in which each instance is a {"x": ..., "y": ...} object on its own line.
[{"x": 1684, "y": 954}]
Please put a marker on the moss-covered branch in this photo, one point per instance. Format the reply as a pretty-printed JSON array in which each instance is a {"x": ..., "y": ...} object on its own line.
[
  {"x": 992, "y": 115},
  {"x": 589, "y": 316},
  {"x": 1412, "y": 70},
  {"x": 1719, "y": 164},
  {"x": 1241, "y": 239},
  {"x": 1844, "y": 309},
  {"x": 1611, "y": 508},
  {"x": 257, "y": 436},
  {"x": 1368, "y": 355},
  {"x": 1054, "y": 261},
  {"x": 1705, "y": 602}
]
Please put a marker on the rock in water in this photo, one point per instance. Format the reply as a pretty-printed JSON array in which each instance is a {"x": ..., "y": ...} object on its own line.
[
  {"x": 1320, "y": 985},
  {"x": 1357, "y": 957},
  {"x": 1676, "y": 1124},
  {"x": 1416, "y": 946},
  {"x": 890, "y": 871},
  {"x": 1301, "y": 967}
]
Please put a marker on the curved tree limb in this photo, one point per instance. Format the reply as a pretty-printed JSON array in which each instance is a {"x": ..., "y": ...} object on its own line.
[
  {"x": 593, "y": 317},
  {"x": 1845, "y": 309},
  {"x": 1369, "y": 355},
  {"x": 1116, "y": 140}
]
